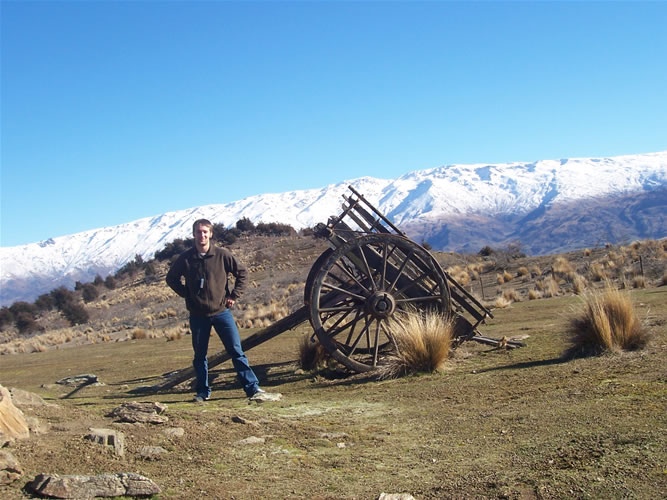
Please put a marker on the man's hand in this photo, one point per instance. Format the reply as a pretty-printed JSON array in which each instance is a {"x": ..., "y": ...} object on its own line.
[{"x": 229, "y": 302}]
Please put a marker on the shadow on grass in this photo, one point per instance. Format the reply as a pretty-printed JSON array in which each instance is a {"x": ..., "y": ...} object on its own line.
[{"x": 530, "y": 364}]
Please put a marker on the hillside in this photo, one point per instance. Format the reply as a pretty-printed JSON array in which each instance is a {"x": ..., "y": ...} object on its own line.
[
  {"x": 526, "y": 423},
  {"x": 143, "y": 306},
  {"x": 550, "y": 206}
]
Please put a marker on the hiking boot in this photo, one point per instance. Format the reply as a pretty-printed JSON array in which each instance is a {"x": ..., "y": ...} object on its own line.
[{"x": 199, "y": 398}]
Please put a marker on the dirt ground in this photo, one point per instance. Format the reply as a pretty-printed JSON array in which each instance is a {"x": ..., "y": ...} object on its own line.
[{"x": 495, "y": 424}]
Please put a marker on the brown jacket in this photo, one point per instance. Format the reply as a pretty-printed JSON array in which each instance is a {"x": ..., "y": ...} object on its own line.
[{"x": 206, "y": 286}]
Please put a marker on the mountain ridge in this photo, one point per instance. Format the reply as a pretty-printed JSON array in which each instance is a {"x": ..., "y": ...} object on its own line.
[{"x": 453, "y": 208}]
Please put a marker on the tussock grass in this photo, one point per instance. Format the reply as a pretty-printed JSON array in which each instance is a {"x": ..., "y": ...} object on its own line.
[
  {"x": 562, "y": 265},
  {"x": 607, "y": 323},
  {"x": 312, "y": 356},
  {"x": 597, "y": 272},
  {"x": 534, "y": 295},
  {"x": 502, "y": 302},
  {"x": 578, "y": 284},
  {"x": 422, "y": 344},
  {"x": 639, "y": 282}
]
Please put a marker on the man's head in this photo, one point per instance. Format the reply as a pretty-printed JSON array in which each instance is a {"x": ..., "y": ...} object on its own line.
[{"x": 202, "y": 230}]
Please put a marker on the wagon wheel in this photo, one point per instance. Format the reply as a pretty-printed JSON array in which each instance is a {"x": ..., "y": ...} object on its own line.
[{"x": 361, "y": 285}]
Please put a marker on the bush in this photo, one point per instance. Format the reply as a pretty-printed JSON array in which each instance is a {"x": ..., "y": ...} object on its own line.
[
  {"x": 486, "y": 251},
  {"x": 89, "y": 292},
  {"x": 6, "y": 317},
  {"x": 45, "y": 302},
  {"x": 62, "y": 296},
  {"x": 312, "y": 355},
  {"x": 245, "y": 225},
  {"x": 25, "y": 323},
  {"x": 423, "y": 341},
  {"x": 176, "y": 247},
  {"x": 76, "y": 314},
  {"x": 110, "y": 282},
  {"x": 607, "y": 322}
]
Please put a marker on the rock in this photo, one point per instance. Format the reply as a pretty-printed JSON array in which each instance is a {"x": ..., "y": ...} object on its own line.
[
  {"x": 78, "y": 380},
  {"x": 334, "y": 435},
  {"x": 262, "y": 397},
  {"x": 151, "y": 452},
  {"x": 241, "y": 420},
  {"x": 12, "y": 422},
  {"x": 36, "y": 426},
  {"x": 395, "y": 496},
  {"x": 175, "y": 432},
  {"x": 251, "y": 440},
  {"x": 104, "y": 485},
  {"x": 133, "y": 412},
  {"x": 108, "y": 437},
  {"x": 10, "y": 470},
  {"x": 25, "y": 398}
]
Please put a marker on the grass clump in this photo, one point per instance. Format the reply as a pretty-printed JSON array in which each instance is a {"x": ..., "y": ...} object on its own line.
[
  {"x": 312, "y": 355},
  {"x": 422, "y": 342},
  {"x": 607, "y": 323}
]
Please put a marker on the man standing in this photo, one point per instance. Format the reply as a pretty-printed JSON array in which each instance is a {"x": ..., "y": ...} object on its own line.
[{"x": 205, "y": 268}]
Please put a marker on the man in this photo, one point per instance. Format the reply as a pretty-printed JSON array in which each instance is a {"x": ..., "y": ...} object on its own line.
[{"x": 205, "y": 268}]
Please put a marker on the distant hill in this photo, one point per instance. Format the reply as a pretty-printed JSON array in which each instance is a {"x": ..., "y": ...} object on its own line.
[{"x": 548, "y": 206}]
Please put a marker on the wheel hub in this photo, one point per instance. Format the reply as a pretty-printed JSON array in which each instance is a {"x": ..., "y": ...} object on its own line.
[{"x": 381, "y": 305}]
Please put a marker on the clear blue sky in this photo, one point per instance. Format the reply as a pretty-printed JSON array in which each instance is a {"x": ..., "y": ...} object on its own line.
[{"x": 114, "y": 111}]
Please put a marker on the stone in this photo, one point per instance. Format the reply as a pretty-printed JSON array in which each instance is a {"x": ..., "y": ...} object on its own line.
[
  {"x": 79, "y": 380},
  {"x": 12, "y": 422},
  {"x": 175, "y": 432},
  {"x": 36, "y": 426},
  {"x": 152, "y": 452},
  {"x": 10, "y": 470},
  {"x": 108, "y": 437},
  {"x": 251, "y": 440},
  {"x": 395, "y": 496},
  {"x": 25, "y": 398},
  {"x": 261, "y": 397},
  {"x": 242, "y": 420},
  {"x": 133, "y": 412},
  {"x": 103, "y": 485}
]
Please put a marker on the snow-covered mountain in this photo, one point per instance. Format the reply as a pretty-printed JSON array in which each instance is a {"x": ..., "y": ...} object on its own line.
[{"x": 549, "y": 205}]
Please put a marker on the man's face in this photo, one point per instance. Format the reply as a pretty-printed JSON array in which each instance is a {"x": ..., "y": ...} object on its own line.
[{"x": 202, "y": 236}]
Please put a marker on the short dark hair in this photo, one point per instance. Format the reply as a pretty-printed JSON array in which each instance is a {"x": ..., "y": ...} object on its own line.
[{"x": 202, "y": 222}]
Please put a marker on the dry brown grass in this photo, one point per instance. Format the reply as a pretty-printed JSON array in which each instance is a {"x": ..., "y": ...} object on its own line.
[
  {"x": 562, "y": 265},
  {"x": 596, "y": 272},
  {"x": 639, "y": 282},
  {"x": 534, "y": 294},
  {"x": 422, "y": 344},
  {"x": 578, "y": 284},
  {"x": 587, "y": 252},
  {"x": 607, "y": 323},
  {"x": 502, "y": 302},
  {"x": 522, "y": 271},
  {"x": 312, "y": 355}
]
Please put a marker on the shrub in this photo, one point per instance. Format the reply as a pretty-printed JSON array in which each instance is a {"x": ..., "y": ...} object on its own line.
[
  {"x": 89, "y": 292},
  {"x": 607, "y": 322},
  {"x": 312, "y": 356},
  {"x": 6, "y": 317},
  {"x": 76, "y": 314},
  {"x": 639, "y": 282},
  {"x": 45, "y": 302},
  {"x": 25, "y": 323},
  {"x": 486, "y": 251},
  {"x": 62, "y": 296},
  {"x": 110, "y": 282},
  {"x": 422, "y": 343},
  {"x": 245, "y": 225}
]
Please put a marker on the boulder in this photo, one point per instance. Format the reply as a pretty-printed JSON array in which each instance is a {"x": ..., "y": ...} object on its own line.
[
  {"x": 10, "y": 470},
  {"x": 147, "y": 413},
  {"x": 108, "y": 437},
  {"x": 80, "y": 380},
  {"x": 12, "y": 422},
  {"x": 103, "y": 485},
  {"x": 152, "y": 452},
  {"x": 25, "y": 398}
]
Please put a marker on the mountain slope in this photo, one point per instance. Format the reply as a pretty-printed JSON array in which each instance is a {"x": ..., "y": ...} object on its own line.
[{"x": 548, "y": 205}]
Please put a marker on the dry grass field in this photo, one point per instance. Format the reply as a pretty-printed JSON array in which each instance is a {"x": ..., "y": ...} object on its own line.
[{"x": 492, "y": 423}]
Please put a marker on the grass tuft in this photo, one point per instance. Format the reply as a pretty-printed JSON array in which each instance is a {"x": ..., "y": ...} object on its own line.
[
  {"x": 422, "y": 344},
  {"x": 312, "y": 356},
  {"x": 607, "y": 323}
]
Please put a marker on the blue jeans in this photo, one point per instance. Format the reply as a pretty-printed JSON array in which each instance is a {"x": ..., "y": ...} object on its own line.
[{"x": 225, "y": 327}]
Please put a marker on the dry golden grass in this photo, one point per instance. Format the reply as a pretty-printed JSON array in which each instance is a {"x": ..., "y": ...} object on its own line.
[
  {"x": 422, "y": 344},
  {"x": 500, "y": 279},
  {"x": 663, "y": 281},
  {"x": 639, "y": 282},
  {"x": 578, "y": 284},
  {"x": 502, "y": 302},
  {"x": 587, "y": 252},
  {"x": 512, "y": 295},
  {"x": 522, "y": 271},
  {"x": 562, "y": 265},
  {"x": 548, "y": 287},
  {"x": 507, "y": 276},
  {"x": 607, "y": 322},
  {"x": 534, "y": 295},
  {"x": 312, "y": 356},
  {"x": 596, "y": 272}
]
